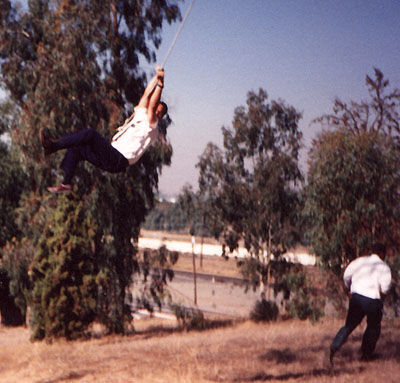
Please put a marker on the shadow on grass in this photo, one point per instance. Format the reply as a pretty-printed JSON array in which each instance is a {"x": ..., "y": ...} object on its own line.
[
  {"x": 315, "y": 373},
  {"x": 159, "y": 330},
  {"x": 68, "y": 377},
  {"x": 279, "y": 356},
  {"x": 392, "y": 348}
]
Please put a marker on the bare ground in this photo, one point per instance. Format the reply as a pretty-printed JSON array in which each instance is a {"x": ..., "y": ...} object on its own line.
[{"x": 289, "y": 351}]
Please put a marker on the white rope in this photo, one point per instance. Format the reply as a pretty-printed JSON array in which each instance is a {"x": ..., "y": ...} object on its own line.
[
  {"x": 122, "y": 129},
  {"x": 177, "y": 34}
]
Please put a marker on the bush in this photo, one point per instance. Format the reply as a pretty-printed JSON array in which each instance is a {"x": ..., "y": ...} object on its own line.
[
  {"x": 264, "y": 311},
  {"x": 301, "y": 296},
  {"x": 189, "y": 318},
  {"x": 303, "y": 307}
]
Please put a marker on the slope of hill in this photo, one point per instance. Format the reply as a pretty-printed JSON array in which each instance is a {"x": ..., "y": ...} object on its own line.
[{"x": 290, "y": 351}]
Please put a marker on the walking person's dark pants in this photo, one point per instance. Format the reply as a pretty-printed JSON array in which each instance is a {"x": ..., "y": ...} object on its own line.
[
  {"x": 89, "y": 145},
  {"x": 359, "y": 307}
]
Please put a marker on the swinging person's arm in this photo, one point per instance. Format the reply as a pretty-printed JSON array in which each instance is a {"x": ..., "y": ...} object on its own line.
[
  {"x": 150, "y": 89},
  {"x": 155, "y": 97}
]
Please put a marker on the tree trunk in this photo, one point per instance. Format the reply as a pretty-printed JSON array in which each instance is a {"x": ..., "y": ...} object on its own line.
[{"x": 269, "y": 262}]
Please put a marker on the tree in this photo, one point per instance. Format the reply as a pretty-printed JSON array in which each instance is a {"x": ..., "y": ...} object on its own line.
[
  {"x": 17, "y": 256},
  {"x": 352, "y": 196},
  {"x": 156, "y": 268},
  {"x": 167, "y": 216},
  {"x": 252, "y": 185},
  {"x": 12, "y": 186},
  {"x": 69, "y": 65},
  {"x": 380, "y": 115},
  {"x": 12, "y": 181}
]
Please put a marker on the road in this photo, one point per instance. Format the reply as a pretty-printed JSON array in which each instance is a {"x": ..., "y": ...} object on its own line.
[
  {"x": 222, "y": 295},
  {"x": 215, "y": 294}
]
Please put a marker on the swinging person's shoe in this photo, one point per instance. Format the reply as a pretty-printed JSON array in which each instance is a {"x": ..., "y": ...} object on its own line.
[
  {"x": 47, "y": 144},
  {"x": 61, "y": 188}
]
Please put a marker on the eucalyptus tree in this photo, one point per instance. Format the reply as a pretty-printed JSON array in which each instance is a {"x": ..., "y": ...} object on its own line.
[
  {"x": 68, "y": 65},
  {"x": 353, "y": 191},
  {"x": 252, "y": 184}
]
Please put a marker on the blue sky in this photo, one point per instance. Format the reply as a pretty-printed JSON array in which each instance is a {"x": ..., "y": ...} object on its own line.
[{"x": 305, "y": 52}]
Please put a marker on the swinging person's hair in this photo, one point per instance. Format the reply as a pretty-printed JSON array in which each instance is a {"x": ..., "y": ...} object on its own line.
[{"x": 165, "y": 106}]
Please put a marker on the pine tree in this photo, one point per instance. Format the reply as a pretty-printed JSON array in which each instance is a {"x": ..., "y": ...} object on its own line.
[{"x": 65, "y": 273}]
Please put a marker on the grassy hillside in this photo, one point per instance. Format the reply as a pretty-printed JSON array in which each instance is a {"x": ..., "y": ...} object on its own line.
[{"x": 290, "y": 351}]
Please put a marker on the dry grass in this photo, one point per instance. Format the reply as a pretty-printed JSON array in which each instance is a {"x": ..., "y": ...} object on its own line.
[
  {"x": 210, "y": 265},
  {"x": 290, "y": 351},
  {"x": 176, "y": 236}
]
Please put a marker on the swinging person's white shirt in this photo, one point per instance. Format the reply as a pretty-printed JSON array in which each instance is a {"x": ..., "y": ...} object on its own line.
[{"x": 134, "y": 139}]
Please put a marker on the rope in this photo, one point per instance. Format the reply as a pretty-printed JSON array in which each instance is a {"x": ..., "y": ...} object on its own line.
[
  {"x": 177, "y": 34},
  {"x": 123, "y": 128},
  {"x": 174, "y": 40}
]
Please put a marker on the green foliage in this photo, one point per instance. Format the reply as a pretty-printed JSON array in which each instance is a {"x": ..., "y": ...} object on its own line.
[
  {"x": 333, "y": 292},
  {"x": 65, "y": 275},
  {"x": 196, "y": 209},
  {"x": 303, "y": 301},
  {"x": 17, "y": 258},
  {"x": 155, "y": 273},
  {"x": 252, "y": 271},
  {"x": 67, "y": 66},
  {"x": 300, "y": 294},
  {"x": 378, "y": 115},
  {"x": 251, "y": 186},
  {"x": 189, "y": 318},
  {"x": 393, "y": 299},
  {"x": 352, "y": 197},
  {"x": 264, "y": 311},
  {"x": 10, "y": 313},
  {"x": 166, "y": 216},
  {"x": 13, "y": 268},
  {"x": 12, "y": 185},
  {"x": 303, "y": 307}
]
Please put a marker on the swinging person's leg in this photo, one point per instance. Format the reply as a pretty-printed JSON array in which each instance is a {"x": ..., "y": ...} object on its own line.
[
  {"x": 68, "y": 165},
  {"x": 87, "y": 145},
  {"x": 80, "y": 138}
]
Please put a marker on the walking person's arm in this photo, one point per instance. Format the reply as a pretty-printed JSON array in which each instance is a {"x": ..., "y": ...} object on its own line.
[
  {"x": 385, "y": 281},
  {"x": 347, "y": 277}
]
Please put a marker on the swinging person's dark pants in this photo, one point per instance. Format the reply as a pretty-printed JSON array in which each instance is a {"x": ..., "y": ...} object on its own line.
[
  {"x": 89, "y": 145},
  {"x": 359, "y": 307}
]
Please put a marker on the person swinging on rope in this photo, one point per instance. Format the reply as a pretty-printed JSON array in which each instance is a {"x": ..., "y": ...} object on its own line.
[{"x": 127, "y": 145}]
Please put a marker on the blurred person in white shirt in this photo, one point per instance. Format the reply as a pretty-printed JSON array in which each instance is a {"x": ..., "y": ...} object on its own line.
[{"x": 367, "y": 280}]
